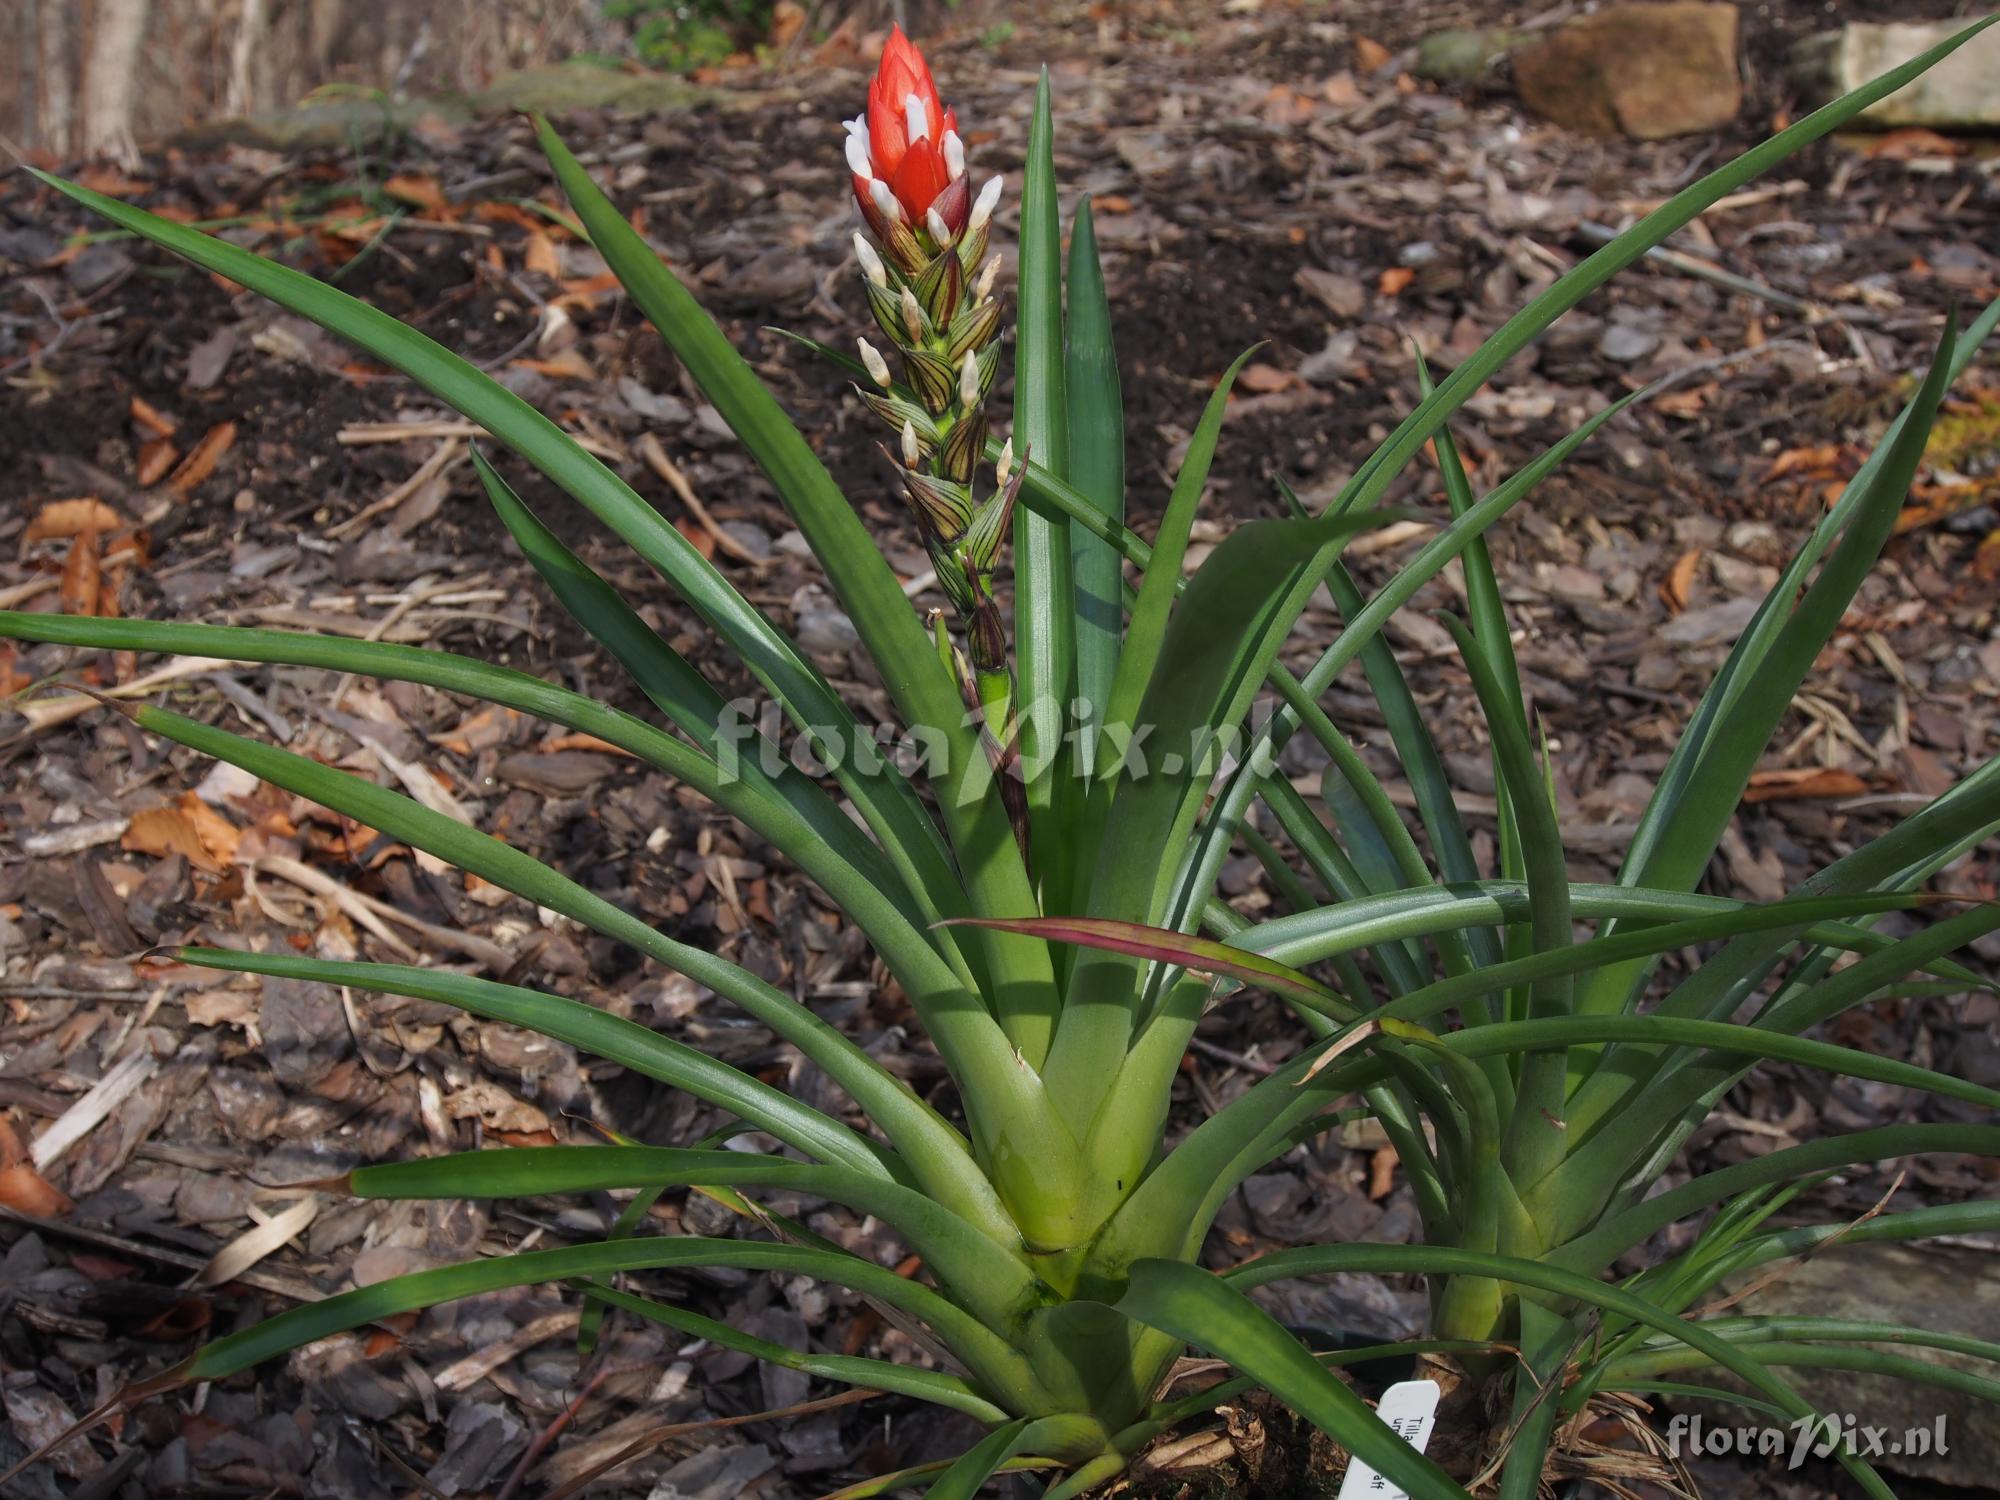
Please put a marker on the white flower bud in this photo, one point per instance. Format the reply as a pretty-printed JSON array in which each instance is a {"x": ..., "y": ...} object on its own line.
[
  {"x": 885, "y": 200},
  {"x": 911, "y": 452},
  {"x": 858, "y": 160},
  {"x": 983, "y": 206},
  {"x": 878, "y": 367},
  {"x": 917, "y": 118},
  {"x": 954, "y": 155},
  {"x": 1004, "y": 469},
  {"x": 984, "y": 287},
  {"x": 968, "y": 380},
  {"x": 871, "y": 263},
  {"x": 940, "y": 231},
  {"x": 913, "y": 316}
]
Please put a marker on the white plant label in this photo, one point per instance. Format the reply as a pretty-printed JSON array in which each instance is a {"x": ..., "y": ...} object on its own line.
[{"x": 1410, "y": 1407}]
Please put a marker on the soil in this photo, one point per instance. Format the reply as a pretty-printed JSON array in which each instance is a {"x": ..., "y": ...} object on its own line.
[{"x": 1253, "y": 180}]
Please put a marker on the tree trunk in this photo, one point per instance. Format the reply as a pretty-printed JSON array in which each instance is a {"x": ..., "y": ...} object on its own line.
[
  {"x": 110, "y": 80},
  {"x": 246, "y": 60},
  {"x": 55, "y": 101}
]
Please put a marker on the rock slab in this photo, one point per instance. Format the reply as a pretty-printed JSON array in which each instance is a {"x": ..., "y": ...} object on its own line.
[
  {"x": 1644, "y": 70},
  {"x": 1960, "y": 93}
]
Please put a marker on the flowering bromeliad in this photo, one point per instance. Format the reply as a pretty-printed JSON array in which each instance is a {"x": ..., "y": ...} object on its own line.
[{"x": 930, "y": 287}]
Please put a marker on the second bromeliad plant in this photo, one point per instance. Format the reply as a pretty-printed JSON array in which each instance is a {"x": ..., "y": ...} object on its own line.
[{"x": 1051, "y": 938}]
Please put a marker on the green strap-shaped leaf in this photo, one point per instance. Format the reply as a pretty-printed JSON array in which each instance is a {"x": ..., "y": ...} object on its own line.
[
  {"x": 1439, "y": 1260},
  {"x": 680, "y": 691},
  {"x": 591, "y": 1030},
  {"x": 1731, "y": 751},
  {"x": 1044, "y": 607},
  {"x": 935, "y": 1152},
  {"x": 1218, "y": 646},
  {"x": 982, "y": 1276},
  {"x": 1758, "y": 1330},
  {"x": 1211, "y": 1314},
  {"x": 1754, "y": 644},
  {"x": 775, "y": 661},
  {"x": 1164, "y": 946},
  {"x": 1980, "y": 1217},
  {"x": 1021, "y": 981},
  {"x": 1373, "y": 479},
  {"x": 1200, "y": 872},
  {"x": 1234, "y": 1142},
  {"x": 1535, "y": 1131},
  {"x": 1660, "y": 1087},
  {"x": 859, "y": 891},
  {"x": 1096, "y": 414},
  {"x": 1736, "y": 1042},
  {"x": 998, "y": 1368},
  {"x": 1329, "y": 931},
  {"x": 1604, "y": 1243},
  {"x": 934, "y": 1386},
  {"x": 1162, "y": 581},
  {"x": 970, "y": 1471}
]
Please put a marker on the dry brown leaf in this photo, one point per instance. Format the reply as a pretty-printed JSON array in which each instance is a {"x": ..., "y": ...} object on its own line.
[
  {"x": 1816, "y": 461},
  {"x": 156, "y": 457},
  {"x": 1369, "y": 54},
  {"x": 788, "y": 19},
  {"x": 61, "y": 518},
  {"x": 225, "y": 1007},
  {"x": 1912, "y": 143},
  {"x": 81, "y": 576},
  {"x": 1394, "y": 280},
  {"x": 584, "y": 742},
  {"x": 201, "y": 462},
  {"x": 1803, "y": 782},
  {"x": 26, "y": 1191},
  {"x": 480, "y": 730},
  {"x": 498, "y": 1109},
  {"x": 1676, "y": 587},
  {"x": 418, "y": 189},
  {"x": 568, "y": 365},
  {"x": 105, "y": 178},
  {"x": 1382, "y": 1172},
  {"x": 541, "y": 256},
  {"x": 150, "y": 417},
  {"x": 1264, "y": 380},
  {"x": 189, "y": 828}
]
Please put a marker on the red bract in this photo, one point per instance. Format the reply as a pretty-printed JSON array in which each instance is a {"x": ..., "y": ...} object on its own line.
[{"x": 907, "y": 141}]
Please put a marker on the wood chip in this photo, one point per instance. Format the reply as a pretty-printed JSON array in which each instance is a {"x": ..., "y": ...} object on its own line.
[
  {"x": 89, "y": 1111},
  {"x": 243, "y": 1252},
  {"x": 477, "y": 1365}
]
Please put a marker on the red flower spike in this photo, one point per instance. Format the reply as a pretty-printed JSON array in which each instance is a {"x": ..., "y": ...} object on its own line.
[{"x": 900, "y": 139}]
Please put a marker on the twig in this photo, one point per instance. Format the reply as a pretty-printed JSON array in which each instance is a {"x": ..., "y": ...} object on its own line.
[
  {"x": 1703, "y": 270},
  {"x": 659, "y": 1435},
  {"x": 656, "y": 459},
  {"x": 360, "y": 434},
  {"x": 442, "y": 457},
  {"x": 47, "y": 713}
]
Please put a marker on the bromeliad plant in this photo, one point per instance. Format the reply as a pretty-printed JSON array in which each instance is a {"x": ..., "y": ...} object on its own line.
[{"x": 1053, "y": 944}]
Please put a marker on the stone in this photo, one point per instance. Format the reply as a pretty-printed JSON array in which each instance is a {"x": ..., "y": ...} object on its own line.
[
  {"x": 1960, "y": 93},
  {"x": 1920, "y": 1285},
  {"x": 1644, "y": 70},
  {"x": 1624, "y": 342},
  {"x": 1465, "y": 54}
]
